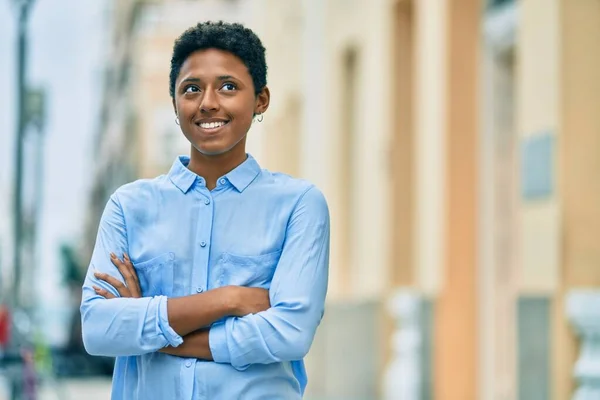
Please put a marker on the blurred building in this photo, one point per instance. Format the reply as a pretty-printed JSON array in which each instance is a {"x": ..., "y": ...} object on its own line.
[{"x": 457, "y": 144}]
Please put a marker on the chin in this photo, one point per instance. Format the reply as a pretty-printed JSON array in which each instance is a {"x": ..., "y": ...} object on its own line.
[
  {"x": 212, "y": 150},
  {"x": 218, "y": 147}
]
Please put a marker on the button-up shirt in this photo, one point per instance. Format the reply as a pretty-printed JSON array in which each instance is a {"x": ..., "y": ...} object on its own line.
[{"x": 256, "y": 228}]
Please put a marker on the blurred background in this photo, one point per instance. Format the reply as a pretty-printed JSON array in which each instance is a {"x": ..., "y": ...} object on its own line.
[{"x": 457, "y": 142}]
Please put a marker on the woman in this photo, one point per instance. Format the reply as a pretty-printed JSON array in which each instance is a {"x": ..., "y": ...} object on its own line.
[{"x": 209, "y": 282}]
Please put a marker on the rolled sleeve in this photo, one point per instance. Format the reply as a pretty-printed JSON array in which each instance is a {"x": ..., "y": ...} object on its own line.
[
  {"x": 217, "y": 339},
  {"x": 171, "y": 336}
]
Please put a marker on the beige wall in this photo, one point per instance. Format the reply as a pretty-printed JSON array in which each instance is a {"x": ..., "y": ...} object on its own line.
[
  {"x": 283, "y": 121},
  {"x": 537, "y": 99},
  {"x": 580, "y": 127},
  {"x": 430, "y": 141},
  {"x": 579, "y": 158}
]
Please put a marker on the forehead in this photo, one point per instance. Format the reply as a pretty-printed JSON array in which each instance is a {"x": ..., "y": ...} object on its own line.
[{"x": 210, "y": 63}]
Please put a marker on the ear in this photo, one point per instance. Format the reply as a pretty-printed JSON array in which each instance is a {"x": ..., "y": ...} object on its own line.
[
  {"x": 174, "y": 105},
  {"x": 262, "y": 101}
]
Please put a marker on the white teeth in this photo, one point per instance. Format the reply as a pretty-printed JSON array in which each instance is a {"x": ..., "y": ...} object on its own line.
[{"x": 211, "y": 125}]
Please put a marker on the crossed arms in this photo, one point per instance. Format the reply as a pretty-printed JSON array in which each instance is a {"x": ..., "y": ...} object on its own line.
[
  {"x": 187, "y": 315},
  {"x": 117, "y": 321}
]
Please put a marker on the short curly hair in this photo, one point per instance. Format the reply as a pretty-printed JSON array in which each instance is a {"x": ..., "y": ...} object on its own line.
[{"x": 230, "y": 37}]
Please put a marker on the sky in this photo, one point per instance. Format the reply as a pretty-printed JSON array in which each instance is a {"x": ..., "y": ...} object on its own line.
[{"x": 67, "y": 53}]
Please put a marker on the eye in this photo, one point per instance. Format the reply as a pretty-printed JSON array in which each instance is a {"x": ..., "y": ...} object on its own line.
[
  {"x": 228, "y": 87},
  {"x": 191, "y": 89}
]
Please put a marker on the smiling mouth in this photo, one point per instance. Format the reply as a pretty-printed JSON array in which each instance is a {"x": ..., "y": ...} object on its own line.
[{"x": 212, "y": 126}]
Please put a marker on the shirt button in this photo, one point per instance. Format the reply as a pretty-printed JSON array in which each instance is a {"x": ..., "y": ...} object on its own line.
[
  {"x": 199, "y": 289},
  {"x": 222, "y": 181},
  {"x": 188, "y": 364},
  {"x": 203, "y": 244},
  {"x": 207, "y": 201}
]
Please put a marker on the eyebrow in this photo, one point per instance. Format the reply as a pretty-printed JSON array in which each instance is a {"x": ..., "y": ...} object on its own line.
[
  {"x": 226, "y": 77},
  {"x": 220, "y": 78},
  {"x": 189, "y": 80}
]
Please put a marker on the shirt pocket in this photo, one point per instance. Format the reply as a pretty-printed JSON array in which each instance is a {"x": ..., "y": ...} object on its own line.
[
  {"x": 251, "y": 271},
  {"x": 156, "y": 275}
]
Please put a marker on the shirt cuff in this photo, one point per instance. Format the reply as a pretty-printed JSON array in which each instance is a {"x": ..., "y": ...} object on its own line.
[
  {"x": 172, "y": 337},
  {"x": 217, "y": 341}
]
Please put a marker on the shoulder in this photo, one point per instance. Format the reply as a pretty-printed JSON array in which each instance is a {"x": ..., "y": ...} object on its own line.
[
  {"x": 139, "y": 191},
  {"x": 301, "y": 192}
]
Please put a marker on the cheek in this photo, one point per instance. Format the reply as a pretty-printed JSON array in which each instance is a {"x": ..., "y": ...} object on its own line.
[
  {"x": 245, "y": 119},
  {"x": 244, "y": 113},
  {"x": 186, "y": 109}
]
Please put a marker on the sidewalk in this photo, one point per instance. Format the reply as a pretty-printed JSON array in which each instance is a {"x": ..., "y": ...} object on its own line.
[{"x": 77, "y": 389}]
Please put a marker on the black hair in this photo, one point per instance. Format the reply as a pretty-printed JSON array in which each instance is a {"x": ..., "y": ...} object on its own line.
[{"x": 231, "y": 37}]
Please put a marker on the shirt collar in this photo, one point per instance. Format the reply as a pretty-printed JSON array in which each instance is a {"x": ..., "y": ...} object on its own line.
[
  {"x": 240, "y": 177},
  {"x": 243, "y": 175},
  {"x": 180, "y": 175}
]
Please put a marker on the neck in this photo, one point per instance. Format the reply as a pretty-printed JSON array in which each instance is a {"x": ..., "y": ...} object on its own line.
[{"x": 212, "y": 167}]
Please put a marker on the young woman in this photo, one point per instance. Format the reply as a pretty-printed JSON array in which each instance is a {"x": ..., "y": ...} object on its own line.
[{"x": 209, "y": 282}]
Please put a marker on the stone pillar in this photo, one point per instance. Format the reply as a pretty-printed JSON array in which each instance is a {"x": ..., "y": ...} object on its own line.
[
  {"x": 456, "y": 321},
  {"x": 583, "y": 311},
  {"x": 403, "y": 378}
]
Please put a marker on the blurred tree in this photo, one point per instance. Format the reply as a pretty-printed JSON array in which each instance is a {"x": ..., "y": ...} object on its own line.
[{"x": 72, "y": 278}]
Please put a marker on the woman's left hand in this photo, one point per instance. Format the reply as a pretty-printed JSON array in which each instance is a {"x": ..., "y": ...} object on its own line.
[{"x": 131, "y": 287}]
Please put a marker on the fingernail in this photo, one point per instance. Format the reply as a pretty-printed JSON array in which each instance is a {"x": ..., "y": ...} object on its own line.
[
  {"x": 96, "y": 288},
  {"x": 125, "y": 255},
  {"x": 113, "y": 255}
]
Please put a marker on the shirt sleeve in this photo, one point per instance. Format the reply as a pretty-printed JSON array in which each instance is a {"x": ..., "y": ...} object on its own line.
[
  {"x": 120, "y": 326},
  {"x": 285, "y": 331}
]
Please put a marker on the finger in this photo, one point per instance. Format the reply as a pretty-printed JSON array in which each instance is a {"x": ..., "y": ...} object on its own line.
[
  {"x": 129, "y": 265},
  {"x": 135, "y": 289},
  {"x": 120, "y": 266},
  {"x": 123, "y": 270},
  {"x": 104, "y": 293},
  {"x": 114, "y": 282}
]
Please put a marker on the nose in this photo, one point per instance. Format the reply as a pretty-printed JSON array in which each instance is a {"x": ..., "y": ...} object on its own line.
[{"x": 209, "y": 102}]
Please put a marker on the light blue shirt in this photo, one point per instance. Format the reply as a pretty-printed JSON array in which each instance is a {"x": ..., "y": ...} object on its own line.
[{"x": 256, "y": 228}]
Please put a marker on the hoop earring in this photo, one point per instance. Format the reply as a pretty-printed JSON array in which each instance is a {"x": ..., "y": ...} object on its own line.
[
  {"x": 177, "y": 120},
  {"x": 260, "y": 117}
]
